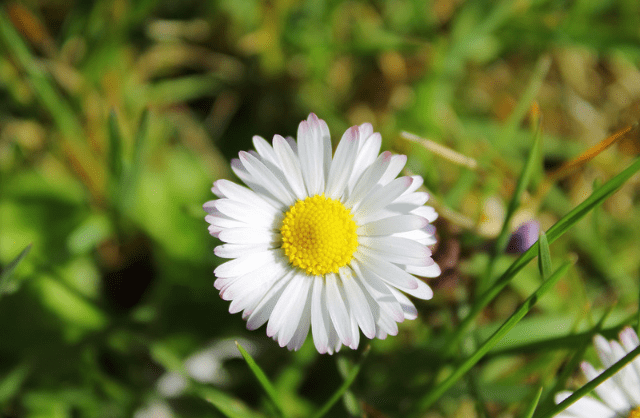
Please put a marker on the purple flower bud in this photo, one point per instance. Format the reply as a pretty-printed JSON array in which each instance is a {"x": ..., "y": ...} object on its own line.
[{"x": 524, "y": 237}]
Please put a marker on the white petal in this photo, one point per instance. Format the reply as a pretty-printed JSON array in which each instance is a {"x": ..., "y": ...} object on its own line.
[
  {"x": 409, "y": 309},
  {"x": 381, "y": 300},
  {"x": 608, "y": 391},
  {"x": 264, "y": 150},
  {"x": 224, "y": 188},
  {"x": 392, "y": 224},
  {"x": 247, "y": 236},
  {"x": 417, "y": 182},
  {"x": 379, "y": 198},
  {"x": 325, "y": 336},
  {"x": 254, "y": 184},
  {"x": 369, "y": 179},
  {"x": 290, "y": 166},
  {"x": 367, "y": 154},
  {"x": 408, "y": 202},
  {"x": 263, "y": 310},
  {"x": 426, "y": 212},
  {"x": 230, "y": 190},
  {"x": 424, "y": 271},
  {"x": 278, "y": 188},
  {"x": 358, "y": 303},
  {"x": 235, "y": 287},
  {"x": 223, "y": 222},
  {"x": 626, "y": 378},
  {"x": 287, "y": 312},
  {"x": 588, "y": 407},
  {"x": 246, "y": 264},
  {"x": 396, "y": 250},
  {"x": 252, "y": 215},
  {"x": 248, "y": 299},
  {"x": 305, "y": 322},
  {"x": 395, "y": 167},
  {"x": 319, "y": 326},
  {"x": 388, "y": 272},
  {"x": 337, "y": 309},
  {"x": 342, "y": 164},
  {"x": 239, "y": 250},
  {"x": 314, "y": 150}
]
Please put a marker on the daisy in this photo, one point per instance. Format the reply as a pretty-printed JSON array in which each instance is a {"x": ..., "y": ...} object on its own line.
[
  {"x": 320, "y": 242},
  {"x": 620, "y": 394}
]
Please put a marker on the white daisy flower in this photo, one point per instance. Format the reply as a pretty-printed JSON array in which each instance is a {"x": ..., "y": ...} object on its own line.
[
  {"x": 620, "y": 394},
  {"x": 323, "y": 243}
]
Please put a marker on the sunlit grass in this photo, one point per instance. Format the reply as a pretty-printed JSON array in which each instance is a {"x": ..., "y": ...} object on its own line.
[{"x": 116, "y": 118}]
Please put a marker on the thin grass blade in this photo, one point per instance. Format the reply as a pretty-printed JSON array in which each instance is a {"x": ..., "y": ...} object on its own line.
[
  {"x": 431, "y": 397},
  {"x": 343, "y": 388},
  {"x": 533, "y": 405},
  {"x": 591, "y": 385},
  {"x": 515, "y": 118},
  {"x": 132, "y": 176},
  {"x": 544, "y": 256},
  {"x": 514, "y": 203},
  {"x": 556, "y": 231},
  {"x": 227, "y": 405},
  {"x": 262, "y": 379},
  {"x": 115, "y": 148},
  {"x": 8, "y": 271}
]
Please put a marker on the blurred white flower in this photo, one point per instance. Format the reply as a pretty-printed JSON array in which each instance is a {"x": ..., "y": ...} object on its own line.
[
  {"x": 620, "y": 394},
  {"x": 320, "y": 242},
  {"x": 205, "y": 366},
  {"x": 155, "y": 409}
]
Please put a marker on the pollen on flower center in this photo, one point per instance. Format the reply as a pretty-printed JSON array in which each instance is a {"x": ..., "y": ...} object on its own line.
[
  {"x": 635, "y": 413},
  {"x": 319, "y": 235}
]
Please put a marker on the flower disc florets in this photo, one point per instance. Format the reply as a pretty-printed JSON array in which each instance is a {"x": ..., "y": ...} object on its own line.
[{"x": 319, "y": 235}]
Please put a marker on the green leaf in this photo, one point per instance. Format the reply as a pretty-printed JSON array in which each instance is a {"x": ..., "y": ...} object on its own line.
[
  {"x": 262, "y": 379},
  {"x": 544, "y": 256},
  {"x": 8, "y": 271},
  {"x": 556, "y": 231},
  {"x": 432, "y": 396},
  {"x": 351, "y": 377},
  {"x": 533, "y": 405}
]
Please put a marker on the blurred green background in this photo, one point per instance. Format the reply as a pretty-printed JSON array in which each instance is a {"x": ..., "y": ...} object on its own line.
[{"x": 117, "y": 116}]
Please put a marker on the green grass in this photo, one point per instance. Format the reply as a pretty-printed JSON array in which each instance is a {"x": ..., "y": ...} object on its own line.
[{"x": 116, "y": 117}]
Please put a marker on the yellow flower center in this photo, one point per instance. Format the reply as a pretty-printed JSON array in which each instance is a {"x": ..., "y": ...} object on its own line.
[
  {"x": 635, "y": 413},
  {"x": 319, "y": 235}
]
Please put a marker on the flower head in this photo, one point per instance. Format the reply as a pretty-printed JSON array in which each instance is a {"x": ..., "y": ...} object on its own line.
[
  {"x": 320, "y": 242},
  {"x": 620, "y": 394}
]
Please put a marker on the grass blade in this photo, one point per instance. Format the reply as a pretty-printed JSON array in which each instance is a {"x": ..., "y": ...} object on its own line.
[
  {"x": 11, "y": 383},
  {"x": 262, "y": 379},
  {"x": 431, "y": 397},
  {"x": 8, "y": 271},
  {"x": 572, "y": 364},
  {"x": 343, "y": 388},
  {"x": 515, "y": 118},
  {"x": 556, "y": 231},
  {"x": 592, "y": 384},
  {"x": 228, "y": 406},
  {"x": 544, "y": 256},
  {"x": 115, "y": 147},
  {"x": 131, "y": 179},
  {"x": 533, "y": 405},
  {"x": 503, "y": 238}
]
